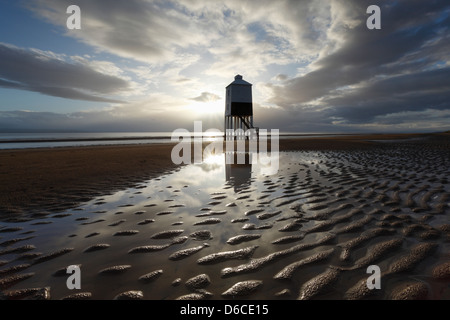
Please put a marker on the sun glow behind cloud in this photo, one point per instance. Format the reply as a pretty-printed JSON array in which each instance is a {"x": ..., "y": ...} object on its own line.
[{"x": 207, "y": 108}]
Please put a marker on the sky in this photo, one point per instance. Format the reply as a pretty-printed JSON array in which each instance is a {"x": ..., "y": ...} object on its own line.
[{"x": 144, "y": 65}]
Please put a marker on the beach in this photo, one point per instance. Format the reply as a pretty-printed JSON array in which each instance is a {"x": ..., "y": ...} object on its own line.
[
  {"x": 56, "y": 178},
  {"x": 132, "y": 220}
]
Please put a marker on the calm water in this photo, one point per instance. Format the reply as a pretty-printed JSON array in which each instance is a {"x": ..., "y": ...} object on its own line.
[{"x": 53, "y": 140}]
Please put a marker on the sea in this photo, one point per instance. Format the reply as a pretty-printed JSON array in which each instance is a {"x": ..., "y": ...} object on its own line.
[{"x": 73, "y": 139}]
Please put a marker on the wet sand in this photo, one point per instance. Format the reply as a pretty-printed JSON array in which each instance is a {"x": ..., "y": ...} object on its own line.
[
  {"x": 134, "y": 221},
  {"x": 40, "y": 180}
]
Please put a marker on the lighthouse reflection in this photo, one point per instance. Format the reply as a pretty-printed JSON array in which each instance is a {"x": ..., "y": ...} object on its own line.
[{"x": 238, "y": 169}]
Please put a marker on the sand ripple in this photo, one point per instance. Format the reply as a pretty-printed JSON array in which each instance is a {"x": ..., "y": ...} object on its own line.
[
  {"x": 27, "y": 294},
  {"x": 201, "y": 235},
  {"x": 289, "y": 270},
  {"x": 130, "y": 295},
  {"x": 243, "y": 288},
  {"x": 115, "y": 269},
  {"x": 410, "y": 291},
  {"x": 243, "y": 238},
  {"x": 418, "y": 253},
  {"x": 442, "y": 271},
  {"x": 258, "y": 263},
  {"x": 318, "y": 284},
  {"x": 195, "y": 296},
  {"x": 96, "y": 247},
  {"x": 167, "y": 234},
  {"x": 12, "y": 280},
  {"x": 208, "y": 221},
  {"x": 126, "y": 233},
  {"x": 227, "y": 255},
  {"x": 152, "y": 276},
  {"x": 78, "y": 296},
  {"x": 52, "y": 255},
  {"x": 198, "y": 282},
  {"x": 181, "y": 254},
  {"x": 375, "y": 252}
]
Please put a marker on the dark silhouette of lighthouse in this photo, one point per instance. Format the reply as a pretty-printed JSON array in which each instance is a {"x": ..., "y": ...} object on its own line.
[{"x": 238, "y": 109}]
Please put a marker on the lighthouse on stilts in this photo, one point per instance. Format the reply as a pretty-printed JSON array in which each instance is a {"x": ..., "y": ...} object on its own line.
[{"x": 239, "y": 110}]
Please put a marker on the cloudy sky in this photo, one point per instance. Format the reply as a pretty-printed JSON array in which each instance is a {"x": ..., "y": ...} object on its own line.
[{"x": 145, "y": 65}]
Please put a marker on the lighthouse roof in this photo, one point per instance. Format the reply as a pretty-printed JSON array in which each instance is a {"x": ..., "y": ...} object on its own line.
[{"x": 239, "y": 81}]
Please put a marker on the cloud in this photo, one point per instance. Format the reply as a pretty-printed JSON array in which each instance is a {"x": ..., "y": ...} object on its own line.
[
  {"x": 236, "y": 34},
  {"x": 227, "y": 38},
  {"x": 33, "y": 70},
  {"x": 148, "y": 31},
  {"x": 396, "y": 94},
  {"x": 399, "y": 69},
  {"x": 314, "y": 64},
  {"x": 206, "y": 97}
]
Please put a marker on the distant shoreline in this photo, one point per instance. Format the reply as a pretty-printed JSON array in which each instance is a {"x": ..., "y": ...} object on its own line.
[
  {"x": 81, "y": 139},
  {"x": 18, "y": 140},
  {"x": 70, "y": 141}
]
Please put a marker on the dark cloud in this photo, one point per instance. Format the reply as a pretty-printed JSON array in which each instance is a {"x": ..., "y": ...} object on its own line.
[
  {"x": 404, "y": 67},
  {"x": 35, "y": 71},
  {"x": 411, "y": 92}
]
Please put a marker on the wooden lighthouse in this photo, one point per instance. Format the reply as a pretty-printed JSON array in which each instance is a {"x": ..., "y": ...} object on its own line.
[{"x": 238, "y": 109}]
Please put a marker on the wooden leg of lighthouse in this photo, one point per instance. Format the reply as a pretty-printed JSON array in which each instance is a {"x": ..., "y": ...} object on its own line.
[
  {"x": 233, "y": 126},
  {"x": 240, "y": 128},
  {"x": 245, "y": 127},
  {"x": 228, "y": 127}
]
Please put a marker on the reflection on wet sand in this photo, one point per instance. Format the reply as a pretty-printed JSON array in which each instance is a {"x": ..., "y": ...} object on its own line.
[
  {"x": 218, "y": 230},
  {"x": 238, "y": 171}
]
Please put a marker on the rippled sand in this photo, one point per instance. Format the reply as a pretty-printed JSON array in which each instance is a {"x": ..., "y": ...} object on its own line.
[{"x": 213, "y": 232}]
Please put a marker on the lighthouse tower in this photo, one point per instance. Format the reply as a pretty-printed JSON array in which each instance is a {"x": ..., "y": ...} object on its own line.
[{"x": 238, "y": 107}]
